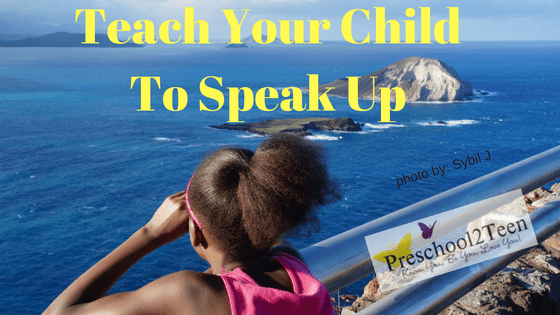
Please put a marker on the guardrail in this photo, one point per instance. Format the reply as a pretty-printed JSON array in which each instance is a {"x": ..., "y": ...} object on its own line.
[{"x": 343, "y": 259}]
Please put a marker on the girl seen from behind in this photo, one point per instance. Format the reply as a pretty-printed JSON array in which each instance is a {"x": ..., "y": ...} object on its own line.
[{"x": 236, "y": 207}]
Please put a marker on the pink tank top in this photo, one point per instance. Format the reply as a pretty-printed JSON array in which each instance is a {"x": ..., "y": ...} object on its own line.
[{"x": 247, "y": 297}]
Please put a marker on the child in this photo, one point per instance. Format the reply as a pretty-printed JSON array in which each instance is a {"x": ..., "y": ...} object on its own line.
[{"x": 236, "y": 208}]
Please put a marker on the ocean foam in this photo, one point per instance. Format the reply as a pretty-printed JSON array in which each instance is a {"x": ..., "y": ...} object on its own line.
[
  {"x": 164, "y": 139},
  {"x": 462, "y": 122},
  {"x": 449, "y": 123},
  {"x": 323, "y": 137},
  {"x": 381, "y": 126},
  {"x": 251, "y": 135}
]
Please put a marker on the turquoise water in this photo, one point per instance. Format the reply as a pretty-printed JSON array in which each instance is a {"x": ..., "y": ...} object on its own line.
[{"x": 81, "y": 169}]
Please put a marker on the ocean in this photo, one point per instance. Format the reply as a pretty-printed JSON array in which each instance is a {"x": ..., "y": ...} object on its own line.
[{"x": 81, "y": 169}]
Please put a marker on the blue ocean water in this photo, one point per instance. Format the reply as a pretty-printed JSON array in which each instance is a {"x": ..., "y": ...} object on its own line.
[{"x": 81, "y": 169}]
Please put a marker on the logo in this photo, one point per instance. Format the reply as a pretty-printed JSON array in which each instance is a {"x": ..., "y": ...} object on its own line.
[
  {"x": 394, "y": 256},
  {"x": 466, "y": 236},
  {"x": 426, "y": 231}
]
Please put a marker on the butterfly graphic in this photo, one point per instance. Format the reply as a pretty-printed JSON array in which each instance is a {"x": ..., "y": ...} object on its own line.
[
  {"x": 426, "y": 231},
  {"x": 401, "y": 250}
]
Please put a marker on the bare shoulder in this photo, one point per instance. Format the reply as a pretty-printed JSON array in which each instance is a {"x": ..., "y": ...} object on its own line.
[
  {"x": 191, "y": 292},
  {"x": 184, "y": 292}
]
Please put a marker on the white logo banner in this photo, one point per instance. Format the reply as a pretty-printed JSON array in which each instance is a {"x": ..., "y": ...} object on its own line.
[{"x": 451, "y": 240}]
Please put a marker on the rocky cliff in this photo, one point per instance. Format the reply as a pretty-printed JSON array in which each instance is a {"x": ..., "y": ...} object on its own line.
[{"x": 422, "y": 79}]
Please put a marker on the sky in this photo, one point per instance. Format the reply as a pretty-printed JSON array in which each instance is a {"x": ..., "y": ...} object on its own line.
[{"x": 479, "y": 20}]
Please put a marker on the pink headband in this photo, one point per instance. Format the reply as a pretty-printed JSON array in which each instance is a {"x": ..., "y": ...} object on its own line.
[{"x": 189, "y": 206}]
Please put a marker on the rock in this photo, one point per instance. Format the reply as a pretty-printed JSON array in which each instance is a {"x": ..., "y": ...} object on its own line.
[
  {"x": 340, "y": 124},
  {"x": 422, "y": 79},
  {"x": 362, "y": 302},
  {"x": 249, "y": 39},
  {"x": 297, "y": 126},
  {"x": 439, "y": 122},
  {"x": 371, "y": 288},
  {"x": 532, "y": 198},
  {"x": 479, "y": 297},
  {"x": 540, "y": 282},
  {"x": 537, "y": 194},
  {"x": 544, "y": 200}
]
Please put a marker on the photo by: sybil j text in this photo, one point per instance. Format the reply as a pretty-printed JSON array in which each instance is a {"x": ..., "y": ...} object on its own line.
[{"x": 458, "y": 164}]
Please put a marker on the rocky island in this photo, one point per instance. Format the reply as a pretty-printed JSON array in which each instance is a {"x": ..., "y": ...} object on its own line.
[
  {"x": 298, "y": 126},
  {"x": 422, "y": 79}
]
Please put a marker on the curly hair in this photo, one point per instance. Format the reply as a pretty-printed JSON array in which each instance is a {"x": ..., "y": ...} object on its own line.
[{"x": 248, "y": 200}]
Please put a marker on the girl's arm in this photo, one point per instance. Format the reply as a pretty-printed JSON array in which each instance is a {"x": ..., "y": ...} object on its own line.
[{"x": 85, "y": 294}]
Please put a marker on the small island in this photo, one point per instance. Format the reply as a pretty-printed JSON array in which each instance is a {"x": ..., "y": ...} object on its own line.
[
  {"x": 251, "y": 40},
  {"x": 421, "y": 79},
  {"x": 300, "y": 126}
]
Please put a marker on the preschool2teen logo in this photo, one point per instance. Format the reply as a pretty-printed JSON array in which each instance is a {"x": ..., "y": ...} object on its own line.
[{"x": 451, "y": 240}]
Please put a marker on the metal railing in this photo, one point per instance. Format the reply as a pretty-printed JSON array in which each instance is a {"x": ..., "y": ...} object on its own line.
[{"x": 343, "y": 259}]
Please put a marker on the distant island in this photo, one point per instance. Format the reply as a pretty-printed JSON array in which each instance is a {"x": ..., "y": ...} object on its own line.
[
  {"x": 298, "y": 126},
  {"x": 237, "y": 46},
  {"x": 15, "y": 36},
  {"x": 250, "y": 39},
  {"x": 64, "y": 39},
  {"x": 422, "y": 79}
]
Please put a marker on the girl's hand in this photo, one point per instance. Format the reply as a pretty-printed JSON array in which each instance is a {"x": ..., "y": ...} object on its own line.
[
  {"x": 171, "y": 219},
  {"x": 85, "y": 294}
]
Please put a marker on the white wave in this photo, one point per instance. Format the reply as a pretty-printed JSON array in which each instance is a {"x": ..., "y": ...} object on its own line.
[
  {"x": 164, "y": 139},
  {"x": 429, "y": 123},
  {"x": 438, "y": 102},
  {"x": 251, "y": 135},
  {"x": 462, "y": 122},
  {"x": 477, "y": 97},
  {"x": 381, "y": 126},
  {"x": 448, "y": 123},
  {"x": 323, "y": 137},
  {"x": 366, "y": 131},
  {"x": 363, "y": 132}
]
